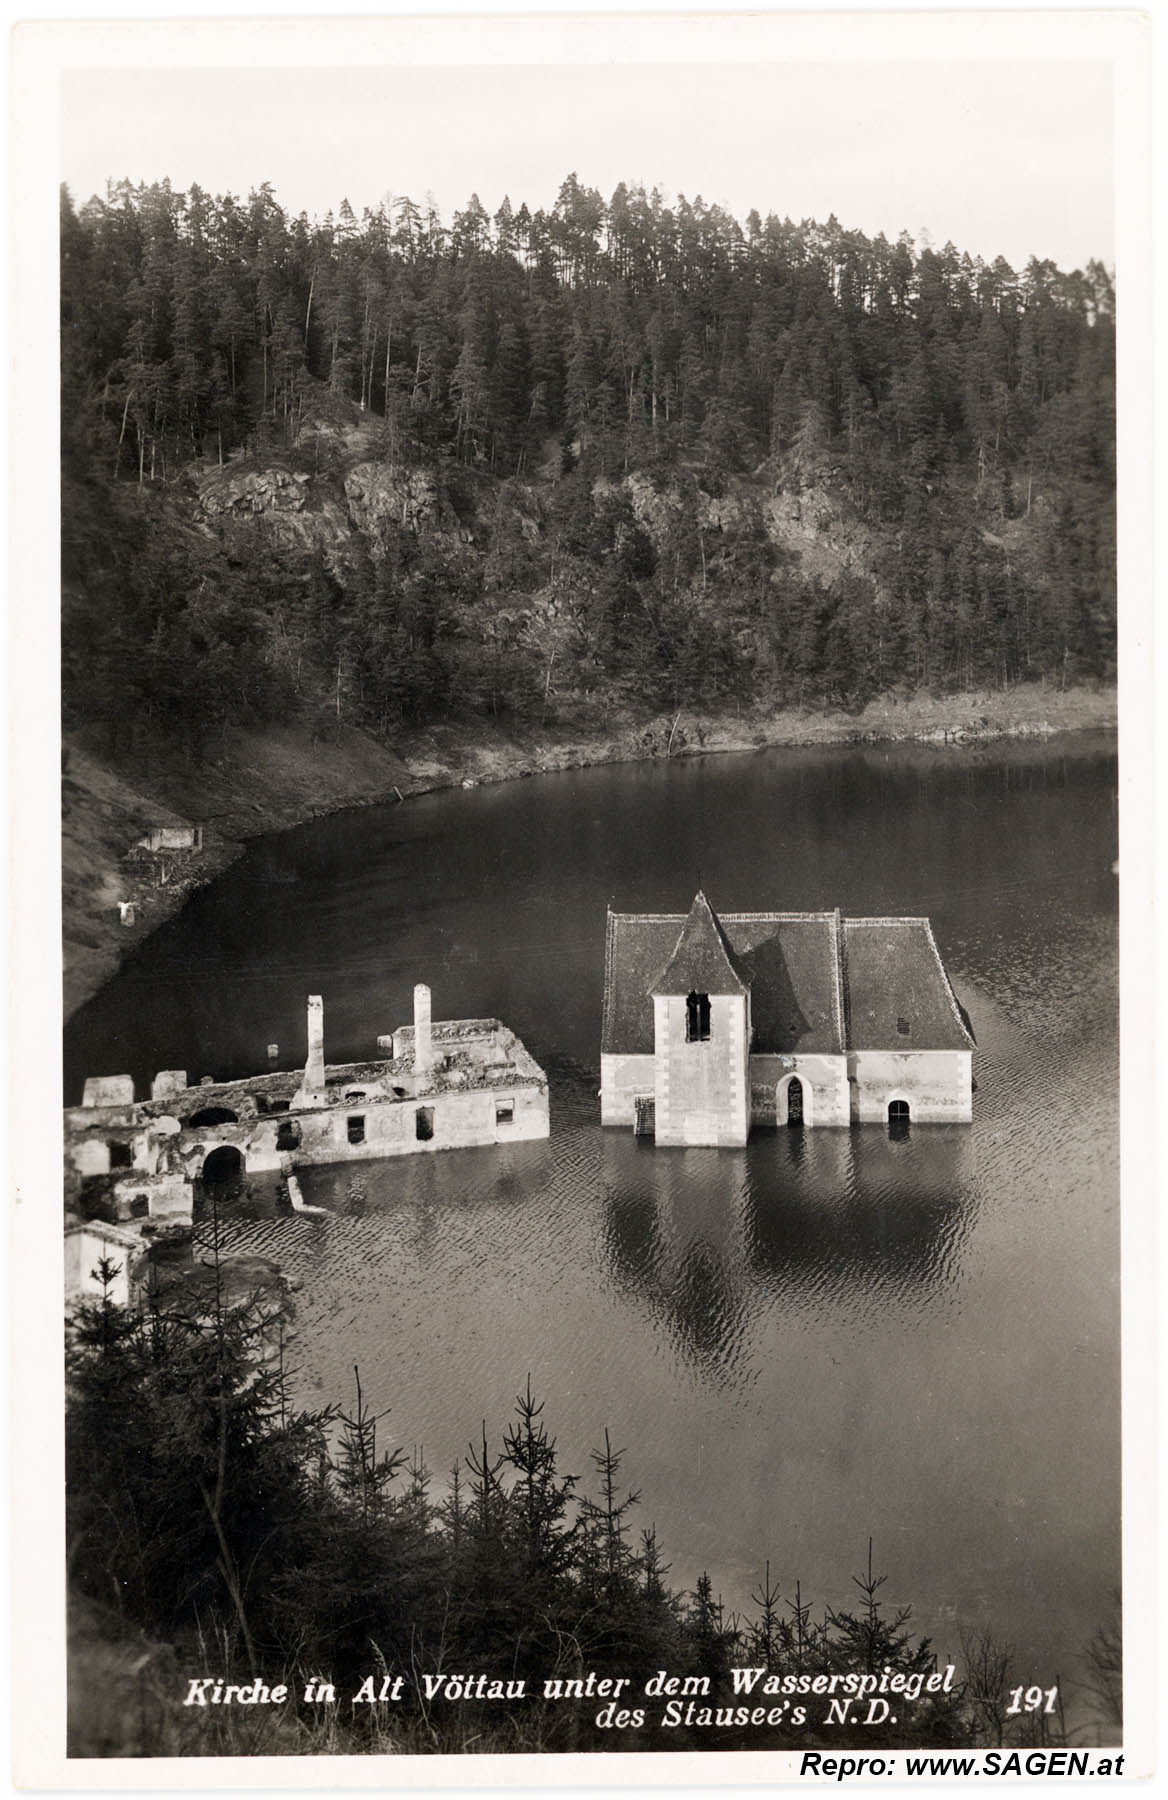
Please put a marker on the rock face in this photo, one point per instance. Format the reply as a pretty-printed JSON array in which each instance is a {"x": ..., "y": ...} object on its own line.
[
  {"x": 808, "y": 521},
  {"x": 379, "y": 494},
  {"x": 271, "y": 490},
  {"x": 373, "y": 497},
  {"x": 812, "y": 523}
]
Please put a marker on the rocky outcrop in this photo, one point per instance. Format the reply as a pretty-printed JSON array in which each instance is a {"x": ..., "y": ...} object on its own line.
[
  {"x": 813, "y": 523},
  {"x": 244, "y": 491},
  {"x": 381, "y": 494}
]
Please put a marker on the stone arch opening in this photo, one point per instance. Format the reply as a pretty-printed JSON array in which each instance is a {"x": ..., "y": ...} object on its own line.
[
  {"x": 223, "y": 1166},
  {"x": 213, "y": 1115},
  {"x": 898, "y": 1118},
  {"x": 793, "y": 1102}
]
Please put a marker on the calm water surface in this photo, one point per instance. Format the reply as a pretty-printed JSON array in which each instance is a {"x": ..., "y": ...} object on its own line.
[{"x": 823, "y": 1336}]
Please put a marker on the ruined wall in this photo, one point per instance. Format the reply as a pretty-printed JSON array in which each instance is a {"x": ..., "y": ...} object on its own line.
[
  {"x": 165, "y": 1195},
  {"x": 826, "y": 1098},
  {"x": 85, "y": 1247},
  {"x": 498, "y": 1114},
  {"x": 622, "y": 1080},
  {"x": 702, "y": 1090},
  {"x": 937, "y": 1084}
]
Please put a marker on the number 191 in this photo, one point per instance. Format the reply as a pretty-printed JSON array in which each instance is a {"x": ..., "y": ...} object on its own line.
[{"x": 1030, "y": 1700}]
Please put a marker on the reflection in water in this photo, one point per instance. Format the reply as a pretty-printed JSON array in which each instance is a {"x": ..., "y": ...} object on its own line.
[
  {"x": 856, "y": 1212},
  {"x": 684, "y": 1256},
  {"x": 708, "y": 1238},
  {"x": 824, "y": 1335}
]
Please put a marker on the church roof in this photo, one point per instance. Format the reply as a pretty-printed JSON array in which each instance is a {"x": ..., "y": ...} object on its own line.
[
  {"x": 817, "y": 983},
  {"x": 702, "y": 960},
  {"x": 895, "y": 977}
]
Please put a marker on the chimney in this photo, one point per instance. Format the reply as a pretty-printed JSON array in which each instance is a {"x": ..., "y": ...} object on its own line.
[
  {"x": 314, "y": 1067},
  {"x": 423, "y": 1044}
]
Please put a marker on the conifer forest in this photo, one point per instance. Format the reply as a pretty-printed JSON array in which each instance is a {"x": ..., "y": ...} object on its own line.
[
  {"x": 220, "y": 1532},
  {"x": 530, "y": 470},
  {"x": 544, "y": 465}
]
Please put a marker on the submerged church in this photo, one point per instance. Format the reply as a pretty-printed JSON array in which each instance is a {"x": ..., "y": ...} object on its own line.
[{"x": 714, "y": 1023}]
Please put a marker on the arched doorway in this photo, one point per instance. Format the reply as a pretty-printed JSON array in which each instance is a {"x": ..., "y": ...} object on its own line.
[
  {"x": 223, "y": 1167},
  {"x": 793, "y": 1103},
  {"x": 898, "y": 1118}
]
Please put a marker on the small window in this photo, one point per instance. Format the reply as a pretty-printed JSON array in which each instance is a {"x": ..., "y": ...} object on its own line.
[
  {"x": 399, "y": 1093},
  {"x": 897, "y": 1109},
  {"x": 357, "y": 1128},
  {"x": 278, "y": 1106},
  {"x": 139, "y": 1206},
  {"x": 504, "y": 1112},
  {"x": 288, "y": 1135},
  {"x": 903, "y": 1027},
  {"x": 697, "y": 1019},
  {"x": 424, "y": 1124},
  {"x": 120, "y": 1157},
  {"x": 354, "y": 1096}
]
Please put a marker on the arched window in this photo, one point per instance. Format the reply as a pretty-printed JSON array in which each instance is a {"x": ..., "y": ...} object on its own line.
[
  {"x": 898, "y": 1118},
  {"x": 697, "y": 1018},
  {"x": 794, "y": 1101},
  {"x": 212, "y": 1115}
]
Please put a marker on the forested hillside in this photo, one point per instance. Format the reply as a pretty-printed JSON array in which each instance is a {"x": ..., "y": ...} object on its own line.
[{"x": 556, "y": 466}]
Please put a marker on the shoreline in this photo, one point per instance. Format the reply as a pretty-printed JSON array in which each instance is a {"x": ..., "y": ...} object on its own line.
[{"x": 261, "y": 784}]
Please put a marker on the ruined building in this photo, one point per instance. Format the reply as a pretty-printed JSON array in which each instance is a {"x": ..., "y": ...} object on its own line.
[
  {"x": 444, "y": 1086},
  {"x": 714, "y": 1024}
]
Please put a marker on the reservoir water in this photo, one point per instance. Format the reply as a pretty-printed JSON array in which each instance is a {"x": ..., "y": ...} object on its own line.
[{"x": 826, "y": 1336}]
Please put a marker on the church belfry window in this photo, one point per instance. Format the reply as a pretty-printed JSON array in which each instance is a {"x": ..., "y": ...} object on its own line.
[{"x": 697, "y": 1018}]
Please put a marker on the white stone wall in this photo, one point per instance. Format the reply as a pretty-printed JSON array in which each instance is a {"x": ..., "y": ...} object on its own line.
[
  {"x": 90, "y": 1156},
  {"x": 937, "y": 1084},
  {"x": 169, "y": 1195},
  {"x": 460, "y": 1121},
  {"x": 826, "y": 1099},
  {"x": 622, "y": 1080},
  {"x": 702, "y": 1090},
  {"x": 84, "y": 1250}
]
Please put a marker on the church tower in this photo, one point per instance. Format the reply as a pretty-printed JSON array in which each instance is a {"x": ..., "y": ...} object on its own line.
[{"x": 701, "y": 1037}]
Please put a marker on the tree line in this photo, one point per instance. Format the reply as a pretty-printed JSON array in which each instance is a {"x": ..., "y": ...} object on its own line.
[
  {"x": 208, "y": 1513},
  {"x": 960, "y": 412}
]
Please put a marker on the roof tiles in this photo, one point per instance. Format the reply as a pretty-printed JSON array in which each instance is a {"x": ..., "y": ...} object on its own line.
[{"x": 817, "y": 983}]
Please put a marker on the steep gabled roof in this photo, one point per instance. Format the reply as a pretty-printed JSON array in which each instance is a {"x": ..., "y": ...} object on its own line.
[
  {"x": 788, "y": 961},
  {"x": 702, "y": 961},
  {"x": 896, "y": 980},
  {"x": 817, "y": 983}
]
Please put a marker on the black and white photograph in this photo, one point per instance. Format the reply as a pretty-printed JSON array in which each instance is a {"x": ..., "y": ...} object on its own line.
[{"x": 591, "y": 656}]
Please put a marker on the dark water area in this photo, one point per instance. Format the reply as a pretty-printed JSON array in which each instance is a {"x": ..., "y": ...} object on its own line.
[{"x": 824, "y": 1336}]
